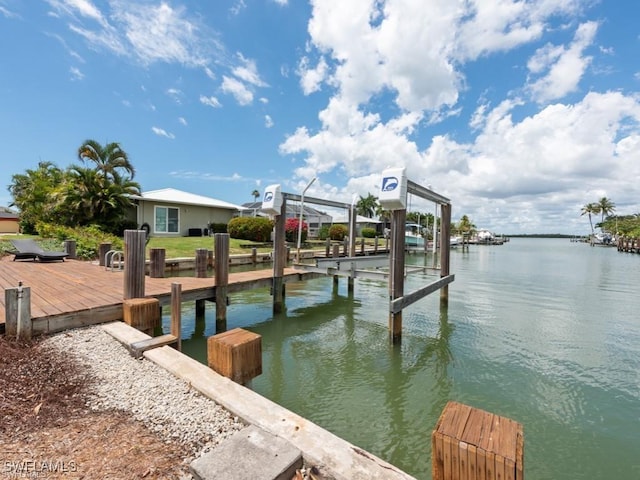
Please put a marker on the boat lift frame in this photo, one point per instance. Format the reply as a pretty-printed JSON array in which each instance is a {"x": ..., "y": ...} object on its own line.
[{"x": 352, "y": 266}]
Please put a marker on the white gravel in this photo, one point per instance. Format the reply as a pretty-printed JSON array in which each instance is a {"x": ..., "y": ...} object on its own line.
[{"x": 164, "y": 403}]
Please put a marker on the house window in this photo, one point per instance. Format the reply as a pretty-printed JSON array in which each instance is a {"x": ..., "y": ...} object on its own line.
[{"x": 167, "y": 220}]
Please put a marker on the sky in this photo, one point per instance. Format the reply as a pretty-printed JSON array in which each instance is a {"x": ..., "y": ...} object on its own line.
[{"x": 520, "y": 112}]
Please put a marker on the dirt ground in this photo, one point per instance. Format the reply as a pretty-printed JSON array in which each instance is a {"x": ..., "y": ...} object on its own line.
[{"x": 47, "y": 431}]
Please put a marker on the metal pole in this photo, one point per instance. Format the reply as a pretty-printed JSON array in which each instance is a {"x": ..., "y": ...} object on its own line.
[{"x": 300, "y": 221}]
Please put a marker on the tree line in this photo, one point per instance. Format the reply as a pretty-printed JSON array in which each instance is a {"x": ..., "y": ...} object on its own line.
[{"x": 96, "y": 191}]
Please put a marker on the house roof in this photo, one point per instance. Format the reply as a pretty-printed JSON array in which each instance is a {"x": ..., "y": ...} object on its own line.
[
  {"x": 171, "y": 195},
  {"x": 9, "y": 216}
]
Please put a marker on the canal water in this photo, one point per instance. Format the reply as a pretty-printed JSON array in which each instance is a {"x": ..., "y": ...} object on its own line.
[{"x": 544, "y": 331}]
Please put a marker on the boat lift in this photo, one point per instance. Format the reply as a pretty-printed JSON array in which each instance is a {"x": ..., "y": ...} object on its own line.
[{"x": 393, "y": 197}]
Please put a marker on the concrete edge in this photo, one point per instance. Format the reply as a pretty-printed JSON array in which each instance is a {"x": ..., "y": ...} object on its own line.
[{"x": 343, "y": 460}]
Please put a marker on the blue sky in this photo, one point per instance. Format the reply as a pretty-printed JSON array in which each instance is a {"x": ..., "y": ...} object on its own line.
[{"x": 520, "y": 112}]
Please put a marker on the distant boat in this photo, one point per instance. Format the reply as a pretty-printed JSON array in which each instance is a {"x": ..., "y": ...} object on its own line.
[
  {"x": 413, "y": 235},
  {"x": 602, "y": 238},
  {"x": 454, "y": 241}
]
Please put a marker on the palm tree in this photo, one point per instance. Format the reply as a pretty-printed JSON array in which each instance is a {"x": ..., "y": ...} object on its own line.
[
  {"x": 255, "y": 194},
  {"x": 109, "y": 160},
  {"x": 367, "y": 206},
  {"x": 606, "y": 207},
  {"x": 590, "y": 208}
]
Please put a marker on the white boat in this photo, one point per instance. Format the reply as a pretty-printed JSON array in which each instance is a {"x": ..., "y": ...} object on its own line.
[
  {"x": 454, "y": 241},
  {"x": 413, "y": 235}
]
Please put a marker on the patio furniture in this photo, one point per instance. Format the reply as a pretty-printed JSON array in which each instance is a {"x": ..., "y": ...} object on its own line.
[{"x": 28, "y": 249}]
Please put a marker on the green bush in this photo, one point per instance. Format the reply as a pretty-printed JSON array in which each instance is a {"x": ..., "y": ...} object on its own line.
[
  {"x": 338, "y": 232},
  {"x": 323, "y": 232},
  {"x": 255, "y": 229},
  {"x": 88, "y": 239},
  {"x": 369, "y": 232}
]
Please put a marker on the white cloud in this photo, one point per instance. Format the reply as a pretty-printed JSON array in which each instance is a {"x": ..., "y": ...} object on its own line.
[
  {"x": 76, "y": 74},
  {"x": 268, "y": 121},
  {"x": 210, "y": 101},
  {"x": 183, "y": 121},
  {"x": 311, "y": 78},
  {"x": 237, "y": 7},
  {"x": 564, "y": 66},
  {"x": 147, "y": 32},
  {"x": 248, "y": 72},
  {"x": 175, "y": 94},
  {"x": 281, "y": 2},
  {"x": 162, "y": 133},
  {"x": 239, "y": 90}
]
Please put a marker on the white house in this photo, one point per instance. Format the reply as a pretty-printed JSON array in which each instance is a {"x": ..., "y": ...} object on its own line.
[{"x": 170, "y": 212}]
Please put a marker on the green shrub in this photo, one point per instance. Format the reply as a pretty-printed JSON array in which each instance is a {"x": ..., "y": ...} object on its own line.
[
  {"x": 88, "y": 239},
  {"x": 323, "y": 232},
  {"x": 255, "y": 229},
  {"x": 368, "y": 232},
  {"x": 338, "y": 232}
]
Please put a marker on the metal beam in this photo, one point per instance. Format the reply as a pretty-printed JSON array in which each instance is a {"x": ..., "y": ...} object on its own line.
[
  {"x": 317, "y": 201},
  {"x": 422, "y": 192},
  {"x": 399, "y": 303}
]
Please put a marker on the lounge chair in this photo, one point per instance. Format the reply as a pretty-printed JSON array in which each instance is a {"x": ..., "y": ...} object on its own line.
[{"x": 28, "y": 249}]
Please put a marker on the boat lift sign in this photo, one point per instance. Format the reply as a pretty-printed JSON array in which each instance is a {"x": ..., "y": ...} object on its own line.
[{"x": 393, "y": 189}]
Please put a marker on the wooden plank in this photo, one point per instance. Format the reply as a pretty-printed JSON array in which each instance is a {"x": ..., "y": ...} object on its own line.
[
  {"x": 437, "y": 456},
  {"x": 446, "y": 457},
  {"x": 463, "y": 459},
  {"x": 490, "y": 467},
  {"x": 137, "y": 349},
  {"x": 481, "y": 464},
  {"x": 471, "y": 461}
]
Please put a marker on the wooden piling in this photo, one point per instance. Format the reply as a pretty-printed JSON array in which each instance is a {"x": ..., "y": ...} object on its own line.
[
  {"x": 375, "y": 245},
  {"x": 201, "y": 262},
  {"x": 134, "y": 263},
  {"x": 142, "y": 313},
  {"x": 469, "y": 443},
  {"x": 221, "y": 248},
  {"x": 157, "y": 262},
  {"x": 254, "y": 255},
  {"x": 18, "y": 312},
  {"x": 279, "y": 259},
  {"x": 70, "y": 248},
  {"x": 236, "y": 354},
  {"x": 396, "y": 271},
  {"x": 176, "y": 313},
  {"x": 327, "y": 248},
  {"x": 103, "y": 248}
]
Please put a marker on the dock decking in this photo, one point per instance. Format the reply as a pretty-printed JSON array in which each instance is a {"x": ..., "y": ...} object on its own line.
[{"x": 76, "y": 293}]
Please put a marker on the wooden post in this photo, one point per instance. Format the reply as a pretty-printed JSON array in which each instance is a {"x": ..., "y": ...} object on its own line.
[
  {"x": 396, "y": 271},
  {"x": 201, "y": 262},
  {"x": 103, "y": 248},
  {"x": 471, "y": 443},
  {"x": 142, "y": 313},
  {"x": 209, "y": 258},
  {"x": 236, "y": 354},
  {"x": 254, "y": 255},
  {"x": 221, "y": 247},
  {"x": 375, "y": 245},
  {"x": 327, "y": 248},
  {"x": 176, "y": 313},
  {"x": 134, "y": 256},
  {"x": 279, "y": 259},
  {"x": 157, "y": 262},
  {"x": 445, "y": 253},
  {"x": 70, "y": 248},
  {"x": 18, "y": 312},
  {"x": 345, "y": 246},
  {"x": 362, "y": 246}
]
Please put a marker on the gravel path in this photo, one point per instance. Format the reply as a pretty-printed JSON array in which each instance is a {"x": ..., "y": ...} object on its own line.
[{"x": 165, "y": 404}]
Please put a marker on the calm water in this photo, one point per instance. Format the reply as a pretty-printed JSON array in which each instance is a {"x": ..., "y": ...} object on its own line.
[{"x": 546, "y": 332}]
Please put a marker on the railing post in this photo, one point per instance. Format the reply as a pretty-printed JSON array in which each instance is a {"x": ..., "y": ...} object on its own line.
[{"x": 176, "y": 313}]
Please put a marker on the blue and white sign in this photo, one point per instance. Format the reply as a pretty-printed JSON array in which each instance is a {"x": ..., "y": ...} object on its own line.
[
  {"x": 389, "y": 184},
  {"x": 272, "y": 200},
  {"x": 393, "y": 189}
]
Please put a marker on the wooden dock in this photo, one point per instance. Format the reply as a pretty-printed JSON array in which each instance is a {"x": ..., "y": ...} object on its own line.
[{"x": 74, "y": 293}]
